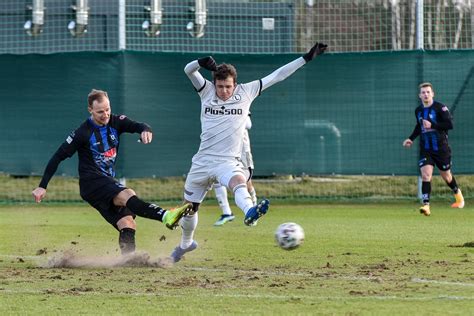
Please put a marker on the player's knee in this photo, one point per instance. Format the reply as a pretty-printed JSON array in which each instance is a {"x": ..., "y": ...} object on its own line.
[
  {"x": 130, "y": 192},
  {"x": 122, "y": 198},
  {"x": 236, "y": 180},
  {"x": 447, "y": 176},
  {"x": 126, "y": 222},
  {"x": 426, "y": 178},
  {"x": 232, "y": 177}
]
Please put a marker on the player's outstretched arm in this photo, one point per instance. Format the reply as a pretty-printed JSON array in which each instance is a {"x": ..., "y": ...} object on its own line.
[
  {"x": 287, "y": 70},
  {"x": 40, "y": 192}
]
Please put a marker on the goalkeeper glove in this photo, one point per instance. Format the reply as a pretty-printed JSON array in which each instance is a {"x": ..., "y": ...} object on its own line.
[
  {"x": 316, "y": 50},
  {"x": 207, "y": 63}
]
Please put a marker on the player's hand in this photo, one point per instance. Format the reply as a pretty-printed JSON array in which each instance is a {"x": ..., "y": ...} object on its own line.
[
  {"x": 146, "y": 137},
  {"x": 316, "y": 50},
  {"x": 426, "y": 124},
  {"x": 208, "y": 63},
  {"x": 407, "y": 142},
  {"x": 39, "y": 194}
]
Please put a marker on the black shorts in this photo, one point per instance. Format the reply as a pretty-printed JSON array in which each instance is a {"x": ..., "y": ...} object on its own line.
[
  {"x": 99, "y": 193},
  {"x": 440, "y": 159}
]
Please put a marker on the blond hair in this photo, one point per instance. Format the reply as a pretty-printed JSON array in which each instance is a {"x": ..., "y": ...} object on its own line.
[
  {"x": 425, "y": 85},
  {"x": 94, "y": 95}
]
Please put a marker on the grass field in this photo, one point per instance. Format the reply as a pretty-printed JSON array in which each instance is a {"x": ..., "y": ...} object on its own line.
[
  {"x": 17, "y": 189},
  {"x": 357, "y": 259}
]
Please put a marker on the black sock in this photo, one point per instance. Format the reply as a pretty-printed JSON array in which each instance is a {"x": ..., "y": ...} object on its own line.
[
  {"x": 425, "y": 191},
  {"x": 127, "y": 240},
  {"x": 144, "y": 209},
  {"x": 453, "y": 185}
]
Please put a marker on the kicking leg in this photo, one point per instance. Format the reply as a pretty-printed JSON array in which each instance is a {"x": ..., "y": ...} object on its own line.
[
  {"x": 188, "y": 225},
  {"x": 141, "y": 208},
  {"x": 244, "y": 200}
]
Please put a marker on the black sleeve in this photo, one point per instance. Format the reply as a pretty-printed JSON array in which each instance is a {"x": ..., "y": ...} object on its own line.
[
  {"x": 446, "y": 121},
  {"x": 416, "y": 132},
  {"x": 66, "y": 150},
  {"x": 126, "y": 125}
]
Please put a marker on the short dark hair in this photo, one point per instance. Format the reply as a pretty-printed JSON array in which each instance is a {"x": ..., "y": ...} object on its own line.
[
  {"x": 94, "y": 95},
  {"x": 224, "y": 71}
]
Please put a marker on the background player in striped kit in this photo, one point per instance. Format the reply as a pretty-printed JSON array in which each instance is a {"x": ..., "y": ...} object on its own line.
[{"x": 433, "y": 121}]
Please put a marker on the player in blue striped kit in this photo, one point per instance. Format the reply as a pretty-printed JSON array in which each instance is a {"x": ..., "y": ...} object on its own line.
[
  {"x": 97, "y": 142},
  {"x": 433, "y": 121}
]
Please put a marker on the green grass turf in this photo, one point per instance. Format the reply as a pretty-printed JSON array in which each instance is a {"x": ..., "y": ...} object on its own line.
[{"x": 357, "y": 259}]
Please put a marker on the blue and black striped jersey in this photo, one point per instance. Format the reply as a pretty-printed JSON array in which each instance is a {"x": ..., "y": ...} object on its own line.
[
  {"x": 97, "y": 148},
  {"x": 436, "y": 137}
]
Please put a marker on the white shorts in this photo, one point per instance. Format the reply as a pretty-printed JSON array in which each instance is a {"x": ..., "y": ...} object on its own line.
[{"x": 207, "y": 170}]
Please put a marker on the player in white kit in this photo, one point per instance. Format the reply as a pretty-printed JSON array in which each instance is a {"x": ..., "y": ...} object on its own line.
[
  {"x": 225, "y": 107},
  {"x": 221, "y": 191}
]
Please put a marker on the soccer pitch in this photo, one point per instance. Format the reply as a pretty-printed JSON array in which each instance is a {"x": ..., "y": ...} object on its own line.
[{"x": 378, "y": 259}]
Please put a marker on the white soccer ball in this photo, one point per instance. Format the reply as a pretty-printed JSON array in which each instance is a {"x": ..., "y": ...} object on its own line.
[{"x": 289, "y": 235}]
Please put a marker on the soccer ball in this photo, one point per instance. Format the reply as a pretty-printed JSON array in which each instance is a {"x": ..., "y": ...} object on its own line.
[{"x": 289, "y": 236}]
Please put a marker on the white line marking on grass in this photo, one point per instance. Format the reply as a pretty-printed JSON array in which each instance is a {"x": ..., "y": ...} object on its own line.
[
  {"x": 251, "y": 296},
  {"x": 420, "y": 280}
]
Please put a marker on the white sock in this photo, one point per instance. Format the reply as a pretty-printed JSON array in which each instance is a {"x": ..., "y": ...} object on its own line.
[
  {"x": 242, "y": 198},
  {"x": 188, "y": 225},
  {"x": 221, "y": 196},
  {"x": 253, "y": 195}
]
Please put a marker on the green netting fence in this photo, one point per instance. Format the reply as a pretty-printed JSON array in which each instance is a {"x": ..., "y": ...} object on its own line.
[
  {"x": 342, "y": 115},
  {"x": 233, "y": 26}
]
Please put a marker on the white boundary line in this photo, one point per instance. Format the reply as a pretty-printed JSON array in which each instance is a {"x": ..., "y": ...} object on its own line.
[{"x": 420, "y": 280}]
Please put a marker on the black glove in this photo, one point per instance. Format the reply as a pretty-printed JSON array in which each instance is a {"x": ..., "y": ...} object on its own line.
[
  {"x": 208, "y": 63},
  {"x": 316, "y": 50}
]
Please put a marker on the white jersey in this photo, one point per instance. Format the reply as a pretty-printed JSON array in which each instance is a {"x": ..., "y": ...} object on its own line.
[{"x": 223, "y": 122}]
